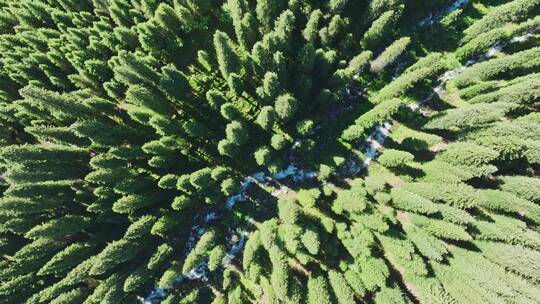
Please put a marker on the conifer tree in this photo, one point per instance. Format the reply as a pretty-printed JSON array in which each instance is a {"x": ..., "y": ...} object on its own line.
[
  {"x": 390, "y": 54},
  {"x": 378, "y": 29},
  {"x": 286, "y": 106},
  {"x": 226, "y": 57}
]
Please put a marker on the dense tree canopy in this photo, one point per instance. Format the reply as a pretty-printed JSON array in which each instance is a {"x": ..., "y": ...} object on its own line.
[{"x": 269, "y": 151}]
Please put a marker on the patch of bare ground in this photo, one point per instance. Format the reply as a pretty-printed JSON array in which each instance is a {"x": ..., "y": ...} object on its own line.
[
  {"x": 394, "y": 181},
  {"x": 438, "y": 147},
  {"x": 403, "y": 218}
]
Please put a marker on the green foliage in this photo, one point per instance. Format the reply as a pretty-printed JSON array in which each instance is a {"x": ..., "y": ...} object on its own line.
[
  {"x": 360, "y": 62},
  {"x": 286, "y": 106},
  {"x": 373, "y": 272},
  {"x": 65, "y": 226},
  {"x": 512, "y": 257},
  {"x": 504, "y": 201},
  {"x": 484, "y": 287},
  {"x": 229, "y": 186},
  {"x": 467, "y": 154},
  {"x": 310, "y": 240},
  {"x": 470, "y": 116},
  {"x": 456, "y": 194},
  {"x": 511, "y": 65},
  {"x": 390, "y": 54},
  {"x": 280, "y": 272},
  {"x": 525, "y": 92},
  {"x": 404, "y": 83},
  {"x": 341, "y": 288},
  {"x": 266, "y": 118},
  {"x": 513, "y": 11},
  {"x": 395, "y": 158},
  {"x": 478, "y": 89},
  {"x": 136, "y": 155},
  {"x": 389, "y": 295},
  {"x": 263, "y": 156},
  {"x": 229, "y": 111},
  {"x": 441, "y": 229},
  {"x": 378, "y": 30},
  {"x": 160, "y": 256},
  {"x": 216, "y": 256},
  {"x": 308, "y": 198},
  {"x": 409, "y": 201},
  {"x": 352, "y": 201},
  {"x": 522, "y": 186},
  {"x": 278, "y": 142},
  {"x": 227, "y": 58},
  {"x": 371, "y": 118},
  {"x": 318, "y": 290},
  {"x": 114, "y": 254},
  {"x": 228, "y": 148},
  {"x": 64, "y": 260},
  {"x": 310, "y": 32},
  {"x": 236, "y": 133},
  {"x": 480, "y": 44},
  {"x": 428, "y": 245}
]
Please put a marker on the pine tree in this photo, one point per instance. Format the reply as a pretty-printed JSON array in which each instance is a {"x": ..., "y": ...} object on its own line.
[
  {"x": 263, "y": 156},
  {"x": 341, "y": 289},
  {"x": 226, "y": 57},
  {"x": 318, "y": 290},
  {"x": 480, "y": 44},
  {"x": 395, "y": 158},
  {"x": 266, "y": 118},
  {"x": 237, "y": 133},
  {"x": 378, "y": 29},
  {"x": 409, "y": 201},
  {"x": 390, "y": 54},
  {"x": 522, "y": 186},
  {"x": 286, "y": 107}
]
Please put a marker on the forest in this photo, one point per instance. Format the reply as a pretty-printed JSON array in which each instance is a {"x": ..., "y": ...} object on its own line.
[{"x": 269, "y": 151}]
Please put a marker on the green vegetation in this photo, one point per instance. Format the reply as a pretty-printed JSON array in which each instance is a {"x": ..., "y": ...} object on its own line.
[{"x": 269, "y": 151}]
